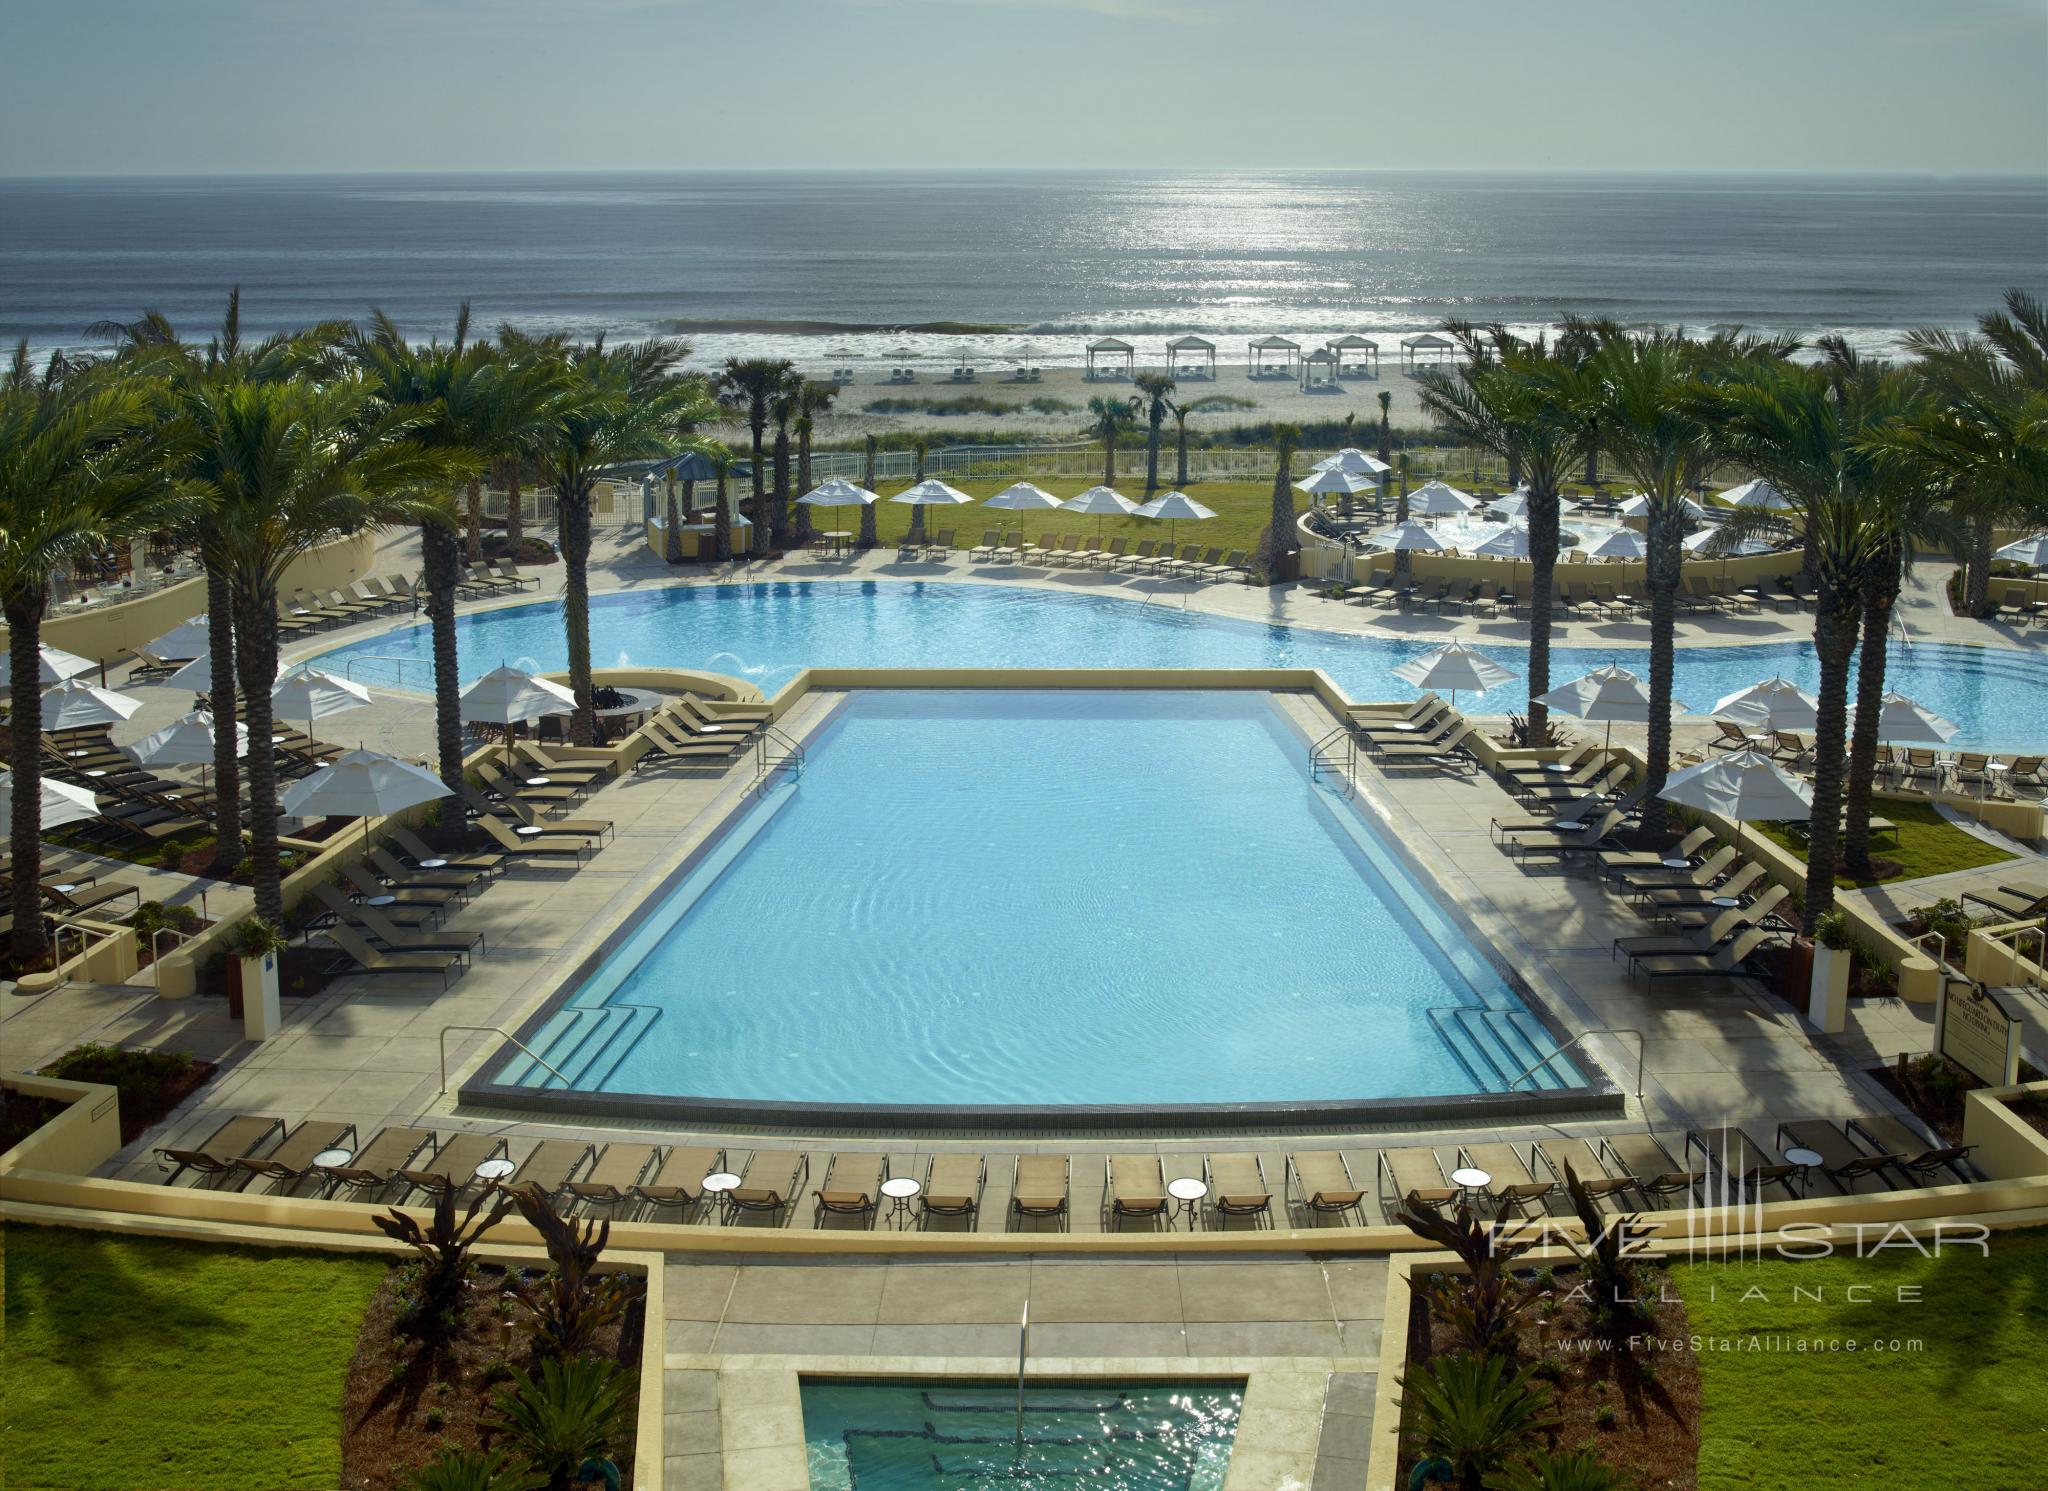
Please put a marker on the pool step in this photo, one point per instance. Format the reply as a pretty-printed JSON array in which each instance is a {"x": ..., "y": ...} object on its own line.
[
  {"x": 601, "y": 1053},
  {"x": 1495, "y": 1046},
  {"x": 581, "y": 1042}
]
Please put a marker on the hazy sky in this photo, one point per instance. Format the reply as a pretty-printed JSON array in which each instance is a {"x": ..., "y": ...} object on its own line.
[{"x": 176, "y": 86}]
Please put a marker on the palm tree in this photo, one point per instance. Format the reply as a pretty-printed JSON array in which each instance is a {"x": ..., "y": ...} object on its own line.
[
  {"x": 1280, "y": 542},
  {"x": 86, "y": 459},
  {"x": 1386, "y": 428},
  {"x": 919, "y": 449},
  {"x": 1182, "y": 409},
  {"x": 721, "y": 458},
  {"x": 751, "y": 384},
  {"x": 1113, "y": 418},
  {"x": 1155, "y": 391},
  {"x": 290, "y": 466},
  {"x": 541, "y": 357},
  {"x": 618, "y": 404},
  {"x": 812, "y": 399},
  {"x": 870, "y": 534},
  {"x": 784, "y": 410},
  {"x": 688, "y": 416}
]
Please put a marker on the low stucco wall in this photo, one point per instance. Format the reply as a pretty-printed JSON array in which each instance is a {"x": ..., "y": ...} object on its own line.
[
  {"x": 2007, "y": 1146},
  {"x": 79, "y": 1140},
  {"x": 1324, "y": 561}
]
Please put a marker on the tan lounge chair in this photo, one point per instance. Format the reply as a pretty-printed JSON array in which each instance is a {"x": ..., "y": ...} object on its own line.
[
  {"x": 536, "y": 846},
  {"x": 481, "y": 861},
  {"x": 852, "y": 1187},
  {"x": 1647, "y": 1162},
  {"x": 1584, "y": 1162},
  {"x": 1136, "y": 1188},
  {"x": 1840, "y": 1160},
  {"x": 1319, "y": 1181},
  {"x": 953, "y": 1184},
  {"x": 612, "y": 1179},
  {"x": 1730, "y": 1155},
  {"x": 236, "y": 1139},
  {"x": 453, "y": 1168},
  {"x": 679, "y": 1180},
  {"x": 369, "y": 959},
  {"x": 377, "y": 1166},
  {"x": 1039, "y": 1187},
  {"x": 1412, "y": 1177},
  {"x": 1921, "y": 1159},
  {"x": 1514, "y": 1188},
  {"x": 772, "y": 1181},
  {"x": 292, "y": 1161},
  {"x": 1237, "y": 1185},
  {"x": 550, "y": 1166}
]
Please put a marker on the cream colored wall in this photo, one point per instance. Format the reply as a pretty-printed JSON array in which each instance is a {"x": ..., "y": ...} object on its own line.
[
  {"x": 2007, "y": 1146},
  {"x": 77, "y": 1141}
]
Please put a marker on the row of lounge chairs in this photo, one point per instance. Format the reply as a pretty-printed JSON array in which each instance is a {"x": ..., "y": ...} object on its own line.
[
  {"x": 698, "y": 732},
  {"x": 1597, "y": 600},
  {"x": 1428, "y": 734}
]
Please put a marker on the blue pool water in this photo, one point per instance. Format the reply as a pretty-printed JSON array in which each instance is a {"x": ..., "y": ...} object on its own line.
[
  {"x": 767, "y": 632},
  {"x": 924, "y": 1436},
  {"x": 1039, "y": 899}
]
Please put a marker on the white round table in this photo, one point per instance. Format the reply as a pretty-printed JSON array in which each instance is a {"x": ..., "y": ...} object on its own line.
[
  {"x": 1724, "y": 902},
  {"x": 1406, "y": 725},
  {"x": 1470, "y": 1178},
  {"x": 1189, "y": 1192},
  {"x": 380, "y": 900},
  {"x": 1556, "y": 766},
  {"x": 538, "y": 781},
  {"x": 494, "y": 1170},
  {"x": 1805, "y": 1159},
  {"x": 328, "y": 1158},
  {"x": 433, "y": 864},
  {"x": 1677, "y": 864},
  {"x": 718, "y": 1183},
  {"x": 901, "y": 1191},
  {"x": 1569, "y": 825},
  {"x": 66, "y": 887},
  {"x": 531, "y": 830}
]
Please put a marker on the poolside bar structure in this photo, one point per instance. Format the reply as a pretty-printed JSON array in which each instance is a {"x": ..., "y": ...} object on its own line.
[
  {"x": 1440, "y": 350},
  {"x": 1257, "y": 349},
  {"x": 1352, "y": 351},
  {"x": 1184, "y": 353},
  {"x": 1106, "y": 350}
]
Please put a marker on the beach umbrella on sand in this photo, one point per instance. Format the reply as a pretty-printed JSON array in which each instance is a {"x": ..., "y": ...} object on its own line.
[
  {"x": 1773, "y": 704},
  {"x": 1608, "y": 695},
  {"x": 931, "y": 492},
  {"x": 361, "y": 784},
  {"x": 73, "y": 703},
  {"x": 2032, "y": 551},
  {"x": 61, "y": 802},
  {"x": 1902, "y": 721},
  {"x": 1173, "y": 506},
  {"x": 1454, "y": 666},
  {"x": 1623, "y": 543},
  {"x": 1101, "y": 501},
  {"x": 1435, "y": 499},
  {"x": 55, "y": 665},
  {"x": 1743, "y": 786},
  {"x": 1760, "y": 495}
]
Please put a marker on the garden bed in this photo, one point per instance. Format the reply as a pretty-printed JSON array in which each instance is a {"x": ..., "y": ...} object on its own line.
[
  {"x": 27, "y": 1112},
  {"x": 1936, "y": 1089},
  {"x": 151, "y": 1083}
]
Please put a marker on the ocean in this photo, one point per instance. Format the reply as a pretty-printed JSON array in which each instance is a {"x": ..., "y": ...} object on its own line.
[{"x": 830, "y": 266}]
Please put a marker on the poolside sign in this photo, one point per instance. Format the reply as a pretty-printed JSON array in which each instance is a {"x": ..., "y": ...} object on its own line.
[{"x": 1977, "y": 1032}]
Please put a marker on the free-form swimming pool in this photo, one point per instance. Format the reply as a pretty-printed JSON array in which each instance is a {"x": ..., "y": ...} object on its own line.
[
  {"x": 924, "y": 1436},
  {"x": 1036, "y": 900},
  {"x": 767, "y": 632}
]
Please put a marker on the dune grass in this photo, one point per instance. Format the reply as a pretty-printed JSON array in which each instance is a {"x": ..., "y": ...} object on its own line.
[
  {"x": 142, "y": 1364},
  {"x": 1928, "y": 844},
  {"x": 1968, "y": 1406}
]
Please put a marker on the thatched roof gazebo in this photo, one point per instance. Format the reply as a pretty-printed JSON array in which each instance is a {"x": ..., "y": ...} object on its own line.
[
  {"x": 1290, "y": 357},
  {"x": 1108, "y": 350},
  {"x": 1352, "y": 352},
  {"x": 1182, "y": 353},
  {"x": 1440, "y": 349}
]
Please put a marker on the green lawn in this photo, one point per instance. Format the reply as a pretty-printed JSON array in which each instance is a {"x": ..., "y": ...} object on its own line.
[
  {"x": 1242, "y": 509},
  {"x": 143, "y": 1364},
  {"x": 1928, "y": 844},
  {"x": 1969, "y": 1407}
]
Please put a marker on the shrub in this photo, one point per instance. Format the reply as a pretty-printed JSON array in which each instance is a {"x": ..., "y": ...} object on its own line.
[
  {"x": 570, "y": 1304},
  {"x": 471, "y": 1470},
  {"x": 1577, "y": 1470},
  {"x": 152, "y": 917},
  {"x": 574, "y": 1409},
  {"x": 435, "y": 1286},
  {"x": 252, "y": 937},
  {"x": 1469, "y": 1411},
  {"x": 1608, "y": 1256},
  {"x": 1482, "y": 1304}
]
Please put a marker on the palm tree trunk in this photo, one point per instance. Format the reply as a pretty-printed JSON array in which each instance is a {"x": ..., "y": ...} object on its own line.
[
  {"x": 1152, "y": 459},
  {"x": 779, "y": 498},
  {"x": 1834, "y": 640},
  {"x": 1870, "y": 665},
  {"x": 1660, "y": 578},
  {"x": 256, "y": 666},
  {"x": 759, "y": 545},
  {"x": 1180, "y": 468},
  {"x": 672, "y": 540},
  {"x": 473, "y": 520},
  {"x": 515, "y": 507},
  {"x": 576, "y": 610},
  {"x": 1977, "y": 575},
  {"x": 24, "y": 610},
  {"x": 721, "y": 522},
  {"x": 227, "y": 761},
  {"x": 870, "y": 534},
  {"x": 1543, "y": 537},
  {"x": 1109, "y": 460},
  {"x": 443, "y": 573}
]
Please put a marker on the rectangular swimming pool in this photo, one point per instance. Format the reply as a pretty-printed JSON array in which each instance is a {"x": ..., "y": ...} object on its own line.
[{"x": 1036, "y": 900}]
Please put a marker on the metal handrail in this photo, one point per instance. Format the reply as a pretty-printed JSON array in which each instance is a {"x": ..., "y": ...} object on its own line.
[
  {"x": 792, "y": 751},
  {"x": 1536, "y": 1066},
  {"x": 1320, "y": 757},
  {"x": 349, "y": 669},
  {"x": 538, "y": 1059},
  {"x": 1939, "y": 936}
]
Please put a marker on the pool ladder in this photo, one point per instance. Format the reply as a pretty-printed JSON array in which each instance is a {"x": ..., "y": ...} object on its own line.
[
  {"x": 773, "y": 752},
  {"x": 1336, "y": 754}
]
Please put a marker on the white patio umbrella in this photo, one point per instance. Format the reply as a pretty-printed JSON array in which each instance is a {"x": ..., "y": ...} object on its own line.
[
  {"x": 1516, "y": 504},
  {"x": 1900, "y": 720},
  {"x": 1719, "y": 541},
  {"x": 361, "y": 784},
  {"x": 1743, "y": 786},
  {"x": 1453, "y": 666},
  {"x": 303, "y": 692},
  {"x": 1101, "y": 501},
  {"x": 1335, "y": 481},
  {"x": 931, "y": 492},
  {"x": 73, "y": 703},
  {"x": 509, "y": 696},
  {"x": 1173, "y": 506},
  {"x": 61, "y": 802},
  {"x": 1355, "y": 461},
  {"x": 1412, "y": 537},
  {"x": 1758, "y": 494},
  {"x": 839, "y": 492},
  {"x": 1773, "y": 704},
  {"x": 1022, "y": 497},
  {"x": 1435, "y": 499},
  {"x": 1511, "y": 543},
  {"x": 2032, "y": 551},
  {"x": 1638, "y": 506},
  {"x": 188, "y": 639},
  {"x": 186, "y": 741},
  {"x": 1611, "y": 695},
  {"x": 54, "y": 665},
  {"x": 1623, "y": 543}
]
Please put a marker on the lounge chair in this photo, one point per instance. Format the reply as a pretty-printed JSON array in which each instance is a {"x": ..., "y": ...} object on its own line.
[
  {"x": 1603, "y": 783},
  {"x": 453, "y": 1168},
  {"x": 1584, "y": 1162},
  {"x": 1441, "y": 753},
  {"x": 953, "y": 1184},
  {"x": 687, "y": 720},
  {"x": 1731, "y": 737},
  {"x": 1319, "y": 1182},
  {"x": 1752, "y": 912},
  {"x": 1237, "y": 1185},
  {"x": 1664, "y": 900},
  {"x": 401, "y": 939},
  {"x": 1647, "y": 1162},
  {"x": 505, "y": 569},
  {"x": 1730, "y": 961},
  {"x": 1621, "y": 862},
  {"x": 148, "y": 665},
  {"x": 1514, "y": 1187},
  {"x": 550, "y": 792},
  {"x": 341, "y": 907},
  {"x": 665, "y": 747},
  {"x": 376, "y": 1167},
  {"x": 562, "y": 768},
  {"x": 1413, "y": 1177},
  {"x": 679, "y": 1180},
  {"x": 1136, "y": 1187},
  {"x": 1642, "y": 879},
  {"x": 991, "y": 543},
  {"x": 852, "y": 1187},
  {"x": 550, "y": 1166},
  {"x": 1561, "y": 841},
  {"x": 292, "y": 1160},
  {"x": 772, "y": 1181},
  {"x": 433, "y": 897},
  {"x": 2020, "y": 901},
  {"x": 235, "y": 1139},
  {"x": 1039, "y": 1187},
  {"x": 523, "y": 816},
  {"x": 482, "y": 861},
  {"x": 536, "y": 846},
  {"x": 87, "y": 897},
  {"x": 1731, "y": 1155},
  {"x": 1426, "y": 728},
  {"x": 612, "y": 1179},
  {"x": 1840, "y": 1160},
  {"x": 368, "y": 959},
  {"x": 1913, "y": 1156},
  {"x": 1567, "y": 765},
  {"x": 1704, "y": 939}
]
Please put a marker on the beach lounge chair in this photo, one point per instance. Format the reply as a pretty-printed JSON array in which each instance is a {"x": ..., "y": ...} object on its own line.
[
  {"x": 665, "y": 749},
  {"x": 1753, "y": 912},
  {"x": 1578, "y": 758},
  {"x": 612, "y": 1179},
  {"x": 376, "y": 1167},
  {"x": 1237, "y": 1185},
  {"x": 1559, "y": 841},
  {"x": 1555, "y": 1156},
  {"x": 991, "y": 543},
  {"x": 1039, "y": 1187},
  {"x": 1703, "y": 940},
  {"x": 2015, "y": 606},
  {"x": 433, "y": 897},
  {"x": 1623, "y": 862},
  {"x": 678, "y": 1181},
  {"x": 416, "y": 849},
  {"x": 148, "y": 665},
  {"x": 1655, "y": 900},
  {"x": 1598, "y": 782},
  {"x": 1730, "y": 961},
  {"x": 292, "y": 1160},
  {"x": 1515, "y": 1188},
  {"x": 1136, "y": 1187},
  {"x": 549, "y": 1166},
  {"x": 562, "y": 768},
  {"x": 1635, "y": 880},
  {"x": 689, "y": 720},
  {"x": 523, "y": 816},
  {"x": 1840, "y": 1160},
  {"x": 852, "y": 1187},
  {"x": 1443, "y": 753},
  {"x": 368, "y": 959},
  {"x": 1648, "y": 1163},
  {"x": 536, "y": 846},
  {"x": 1009, "y": 549},
  {"x": 953, "y": 1184},
  {"x": 2020, "y": 900},
  {"x": 1319, "y": 1182},
  {"x": 80, "y": 898},
  {"x": 235, "y": 1139},
  {"x": 1734, "y": 1166},
  {"x": 339, "y": 906},
  {"x": 770, "y": 1184},
  {"x": 1790, "y": 745},
  {"x": 452, "y": 1169},
  {"x": 1432, "y": 731},
  {"x": 397, "y": 938},
  {"x": 505, "y": 569},
  {"x": 1429, "y": 718},
  {"x": 1412, "y": 1177},
  {"x": 550, "y": 793},
  {"x": 943, "y": 544},
  {"x": 1921, "y": 1160}
]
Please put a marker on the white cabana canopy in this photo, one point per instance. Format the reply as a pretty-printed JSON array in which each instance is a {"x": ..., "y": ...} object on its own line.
[
  {"x": 1319, "y": 370},
  {"x": 1182, "y": 353},
  {"x": 1346, "y": 346},
  {"x": 1439, "y": 348},
  {"x": 1110, "y": 350},
  {"x": 1258, "y": 347}
]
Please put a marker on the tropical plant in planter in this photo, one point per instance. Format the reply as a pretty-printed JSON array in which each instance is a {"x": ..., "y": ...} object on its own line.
[
  {"x": 435, "y": 1286},
  {"x": 1468, "y": 1411},
  {"x": 1482, "y": 1304},
  {"x": 472, "y": 1470},
  {"x": 1612, "y": 1244},
  {"x": 1577, "y": 1470},
  {"x": 253, "y": 937},
  {"x": 570, "y": 1304},
  {"x": 568, "y": 1411}
]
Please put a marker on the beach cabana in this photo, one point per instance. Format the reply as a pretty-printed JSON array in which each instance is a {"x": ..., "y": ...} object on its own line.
[
  {"x": 1438, "y": 349},
  {"x": 1258, "y": 351},
  {"x": 1319, "y": 371},
  {"x": 1191, "y": 355},
  {"x": 1352, "y": 351},
  {"x": 1103, "y": 353}
]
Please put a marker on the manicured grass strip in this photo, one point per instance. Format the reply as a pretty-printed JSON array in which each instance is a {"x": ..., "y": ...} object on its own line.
[
  {"x": 1968, "y": 1407},
  {"x": 144, "y": 1364},
  {"x": 1928, "y": 844},
  {"x": 1242, "y": 509}
]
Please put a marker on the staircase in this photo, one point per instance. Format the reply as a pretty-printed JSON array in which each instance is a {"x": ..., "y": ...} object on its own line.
[
  {"x": 585, "y": 1043},
  {"x": 1496, "y": 1044}
]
